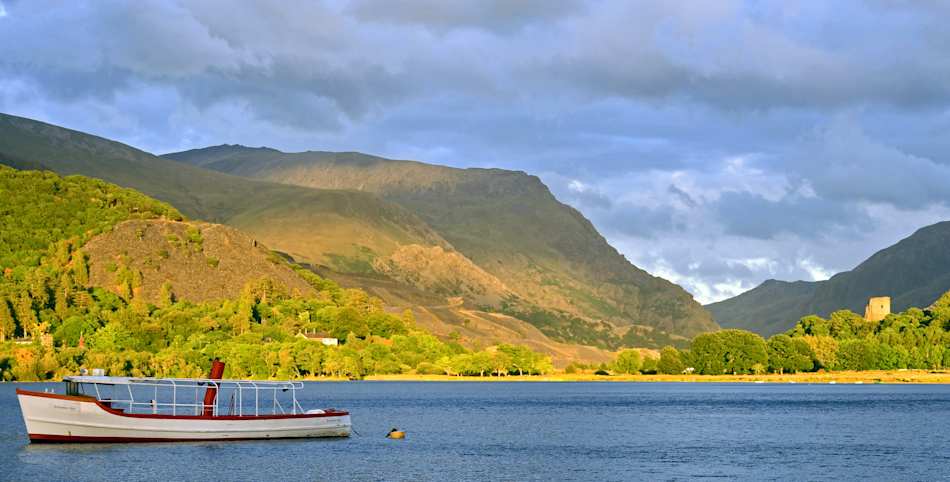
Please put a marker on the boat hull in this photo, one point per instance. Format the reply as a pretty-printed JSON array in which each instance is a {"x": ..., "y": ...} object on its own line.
[{"x": 63, "y": 418}]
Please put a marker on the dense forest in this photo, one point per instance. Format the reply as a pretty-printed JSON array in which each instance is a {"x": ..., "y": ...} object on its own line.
[{"x": 52, "y": 323}]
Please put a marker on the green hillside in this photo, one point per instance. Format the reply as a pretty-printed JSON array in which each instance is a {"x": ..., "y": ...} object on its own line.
[
  {"x": 348, "y": 232},
  {"x": 308, "y": 223},
  {"x": 529, "y": 255},
  {"x": 39, "y": 209},
  {"x": 80, "y": 254},
  {"x": 510, "y": 225},
  {"x": 913, "y": 272}
]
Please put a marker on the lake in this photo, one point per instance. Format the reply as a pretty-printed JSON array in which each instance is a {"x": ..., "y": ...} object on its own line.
[{"x": 547, "y": 431}]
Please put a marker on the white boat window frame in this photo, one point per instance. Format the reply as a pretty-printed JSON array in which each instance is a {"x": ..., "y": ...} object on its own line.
[{"x": 235, "y": 388}]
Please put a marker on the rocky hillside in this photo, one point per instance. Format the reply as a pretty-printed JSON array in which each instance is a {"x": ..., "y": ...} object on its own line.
[
  {"x": 192, "y": 261},
  {"x": 913, "y": 272},
  {"x": 506, "y": 222},
  {"x": 444, "y": 273}
]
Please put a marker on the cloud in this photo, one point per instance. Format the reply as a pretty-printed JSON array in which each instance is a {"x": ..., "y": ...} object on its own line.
[
  {"x": 499, "y": 16},
  {"x": 716, "y": 143},
  {"x": 843, "y": 163},
  {"x": 750, "y": 215}
]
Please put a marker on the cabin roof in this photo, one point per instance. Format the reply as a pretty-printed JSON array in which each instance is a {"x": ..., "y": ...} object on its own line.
[{"x": 103, "y": 380}]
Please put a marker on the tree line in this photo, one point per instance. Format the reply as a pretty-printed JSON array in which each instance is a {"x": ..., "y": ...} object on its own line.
[{"x": 913, "y": 339}]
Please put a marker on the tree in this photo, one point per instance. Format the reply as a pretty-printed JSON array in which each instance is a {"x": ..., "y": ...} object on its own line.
[
  {"x": 824, "y": 351},
  {"x": 812, "y": 325},
  {"x": 649, "y": 365},
  {"x": 707, "y": 354},
  {"x": 627, "y": 361},
  {"x": 846, "y": 324},
  {"x": 165, "y": 295},
  {"x": 7, "y": 324},
  {"x": 743, "y": 350},
  {"x": 789, "y": 355},
  {"x": 521, "y": 358},
  {"x": 542, "y": 364},
  {"x": 480, "y": 362},
  {"x": 25, "y": 315},
  {"x": 728, "y": 351},
  {"x": 500, "y": 363},
  {"x": 80, "y": 268},
  {"x": 62, "y": 295},
  {"x": 857, "y": 354},
  {"x": 671, "y": 362}
]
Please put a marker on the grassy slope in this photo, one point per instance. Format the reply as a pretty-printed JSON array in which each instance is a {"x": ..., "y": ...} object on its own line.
[
  {"x": 315, "y": 226},
  {"x": 913, "y": 272},
  {"x": 506, "y": 222},
  {"x": 308, "y": 223}
]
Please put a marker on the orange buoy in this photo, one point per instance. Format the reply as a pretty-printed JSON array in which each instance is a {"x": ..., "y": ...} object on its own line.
[{"x": 395, "y": 433}]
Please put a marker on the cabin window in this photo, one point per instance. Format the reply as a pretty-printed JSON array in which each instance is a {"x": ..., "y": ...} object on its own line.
[{"x": 72, "y": 388}]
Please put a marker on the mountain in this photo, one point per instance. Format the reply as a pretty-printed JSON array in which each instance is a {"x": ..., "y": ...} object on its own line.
[
  {"x": 100, "y": 236},
  {"x": 509, "y": 224},
  {"x": 496, "y": 239},
  {"x": 913, "y": 272},
  {"x": 336, "y": 229},
  {"x": 95, "y": 275},
  {"x": 307, "y": 223}
]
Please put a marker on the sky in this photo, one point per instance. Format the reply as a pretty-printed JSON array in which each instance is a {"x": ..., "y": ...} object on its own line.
[{"x": 717, "y": 144}]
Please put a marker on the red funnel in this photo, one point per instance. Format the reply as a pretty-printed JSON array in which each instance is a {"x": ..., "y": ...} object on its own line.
[{"x": 217, "y": 371}]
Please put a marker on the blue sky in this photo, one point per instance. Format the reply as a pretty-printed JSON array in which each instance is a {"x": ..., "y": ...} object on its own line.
[{"x": 717, "y": 144}]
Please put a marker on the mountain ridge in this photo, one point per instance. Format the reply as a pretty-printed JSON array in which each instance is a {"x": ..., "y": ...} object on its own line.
[
  {"x": 507, "y": 222},
  {"x": 349, "y": 229},
  {"x": 913, "y": 272}
]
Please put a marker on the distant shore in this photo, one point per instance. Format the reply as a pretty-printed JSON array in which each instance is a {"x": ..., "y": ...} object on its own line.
[{"x": 844, "y": 377}]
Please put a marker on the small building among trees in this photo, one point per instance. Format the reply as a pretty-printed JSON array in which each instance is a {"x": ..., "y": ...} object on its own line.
[{"x": 319, "y": 336}]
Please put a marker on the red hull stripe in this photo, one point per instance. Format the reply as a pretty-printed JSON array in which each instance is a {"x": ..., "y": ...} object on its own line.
[
  {"x": 84, "y": 399},
  {"x": 43, "y": 438}
]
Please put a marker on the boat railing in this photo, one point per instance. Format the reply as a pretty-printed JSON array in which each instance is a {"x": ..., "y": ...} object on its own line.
[{"x": 233, "y": 397}]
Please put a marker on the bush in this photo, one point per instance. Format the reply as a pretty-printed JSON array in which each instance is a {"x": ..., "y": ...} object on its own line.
[{"x": 627, "y": 361}]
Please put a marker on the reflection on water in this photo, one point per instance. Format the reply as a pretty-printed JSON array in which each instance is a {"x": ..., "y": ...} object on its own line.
[{"x": 548, "y": 431}]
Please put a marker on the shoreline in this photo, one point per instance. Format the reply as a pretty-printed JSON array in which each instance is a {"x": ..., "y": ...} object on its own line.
[
  {"x": 842, "y": 377},
  {"x": 920, "y": 377}
]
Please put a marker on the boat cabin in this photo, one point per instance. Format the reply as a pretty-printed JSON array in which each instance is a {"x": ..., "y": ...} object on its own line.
[{"x": 201, "y": 397}]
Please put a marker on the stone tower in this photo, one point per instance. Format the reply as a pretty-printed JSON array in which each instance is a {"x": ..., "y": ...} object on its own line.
[{"x": 877, "y": 308}]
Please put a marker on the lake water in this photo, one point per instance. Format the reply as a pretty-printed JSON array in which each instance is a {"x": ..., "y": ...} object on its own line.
[{"x": 548, "y": 431}]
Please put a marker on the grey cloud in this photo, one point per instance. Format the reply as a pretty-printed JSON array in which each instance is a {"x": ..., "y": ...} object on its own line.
[
  {"x": 750, "y": 215},
  {"x": 492, "y": 15},
  {"x": 842, "y": 163},
  {"x": 747, "y": 61},
  {"x": 682, "y": 196},
  {"x": 642, "y": 221}
]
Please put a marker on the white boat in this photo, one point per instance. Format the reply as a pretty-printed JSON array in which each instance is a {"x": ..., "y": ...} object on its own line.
[{"x": 127, "y": 409}]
